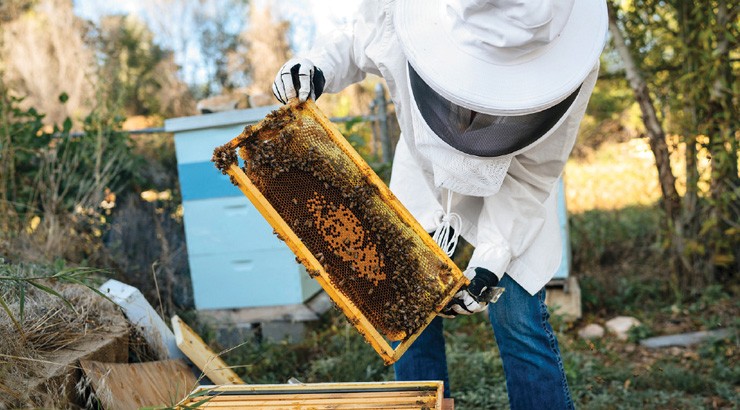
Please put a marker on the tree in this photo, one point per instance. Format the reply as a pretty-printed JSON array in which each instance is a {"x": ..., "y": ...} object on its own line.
[
  {"x": 12, "y": 9},
  {"x": 44, "y": 55},
  {"x": 679, "y": 59},
  {"x": 268, "y": 48},
  {"x": 140, "y": 75}
]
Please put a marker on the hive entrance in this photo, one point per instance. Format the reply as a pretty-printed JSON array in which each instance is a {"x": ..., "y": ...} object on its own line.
[{"x": 350, "y": 232}]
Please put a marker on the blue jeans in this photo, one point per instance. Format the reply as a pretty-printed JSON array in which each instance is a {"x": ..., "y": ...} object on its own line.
[{"x": 535, "y": 378}]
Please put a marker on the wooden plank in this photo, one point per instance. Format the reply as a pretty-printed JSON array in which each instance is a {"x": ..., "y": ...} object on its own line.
[
  {"x": 298, "y": 406},
  {"x": 334, "y": 395},
  {"x": 201, "y": 355},
  {"x": 320, "y": 401},
  {"x": 135, "y": 385},
  {"x": 313, "y": 406},
  {"x": 419, "y": 386}
]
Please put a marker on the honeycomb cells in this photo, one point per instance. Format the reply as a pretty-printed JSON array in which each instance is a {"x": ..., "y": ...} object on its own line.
[{"x": 369, "y": 253}]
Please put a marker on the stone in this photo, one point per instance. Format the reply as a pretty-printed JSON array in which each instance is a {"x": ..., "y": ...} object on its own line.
[
  {"x": 684, "y": 339},
  {"x": 591, "y": 331},
  {"x": 621, "y": 325}
]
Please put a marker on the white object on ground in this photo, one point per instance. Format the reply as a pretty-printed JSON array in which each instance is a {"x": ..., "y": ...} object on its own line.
[
  {"x": 684, "y": 339},
  {"x": 141, "y": 314},
  {"x": 621, "y": 325},
  {"x": 591, "y": 331}
]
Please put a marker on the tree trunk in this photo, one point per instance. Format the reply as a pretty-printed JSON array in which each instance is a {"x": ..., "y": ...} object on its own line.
[
  {"x": 655, "y": 132},
  {"x": 723, "y": 150},
  {"x": 691, "y": 211}
]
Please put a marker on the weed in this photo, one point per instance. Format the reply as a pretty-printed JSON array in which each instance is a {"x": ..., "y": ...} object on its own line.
[{"x": 638, "y": 333}]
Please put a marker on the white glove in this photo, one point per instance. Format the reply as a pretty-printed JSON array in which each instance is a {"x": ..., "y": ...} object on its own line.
[
  {"x": 476, "y": 296},
  {"x": 298, "y": 78}
]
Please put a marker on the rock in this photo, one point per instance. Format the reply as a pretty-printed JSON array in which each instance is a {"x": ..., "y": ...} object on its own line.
[
  {"x": 592, "y": 331},
  {"x": 621, "y": 325},
  {"x": 684, "y": 339}
]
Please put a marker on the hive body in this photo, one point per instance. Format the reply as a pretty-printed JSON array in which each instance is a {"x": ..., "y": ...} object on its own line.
[{"x": 343, "y": 223}]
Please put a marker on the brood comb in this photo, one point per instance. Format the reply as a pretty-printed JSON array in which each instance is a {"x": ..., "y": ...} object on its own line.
[{"x": 344, "y": 225}]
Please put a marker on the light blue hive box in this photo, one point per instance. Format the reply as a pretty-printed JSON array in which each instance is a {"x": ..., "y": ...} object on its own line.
[{"x": 236, "y": 262}]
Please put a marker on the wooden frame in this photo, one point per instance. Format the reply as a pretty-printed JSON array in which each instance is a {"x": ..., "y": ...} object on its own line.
[
  {"x": 201, "y": 355},
  {"x": 355, "y": 316},
  {"x": 390, "y": 395}
]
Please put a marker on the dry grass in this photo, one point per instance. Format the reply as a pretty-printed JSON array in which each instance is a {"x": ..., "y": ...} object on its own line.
[
  {"x": 49, "y": 325},
  {"x": 617, "y": 176},
  {"x": 622, "y": 174}
]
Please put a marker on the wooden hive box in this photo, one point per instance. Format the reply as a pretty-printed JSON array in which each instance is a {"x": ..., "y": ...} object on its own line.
[
  {"x": 228, "y": 268},
  {"x": 318, "y": 396},
  {"x": 353, "y": 236}
]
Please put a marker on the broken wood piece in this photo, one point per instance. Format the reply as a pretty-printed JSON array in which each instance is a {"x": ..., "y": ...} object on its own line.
[
  {"x": 201, "y": 355},
  {"x": 136, "y": 385}
]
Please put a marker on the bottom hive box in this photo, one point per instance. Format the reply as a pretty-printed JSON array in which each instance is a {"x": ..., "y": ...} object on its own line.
[{"x": 370, "y": 395}]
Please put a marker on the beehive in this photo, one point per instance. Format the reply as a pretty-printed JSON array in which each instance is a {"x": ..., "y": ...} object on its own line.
[{"x": 369, "y": 254}]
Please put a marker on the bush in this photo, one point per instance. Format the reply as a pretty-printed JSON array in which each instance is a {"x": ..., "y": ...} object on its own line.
[{"x": 55, "y": 183}]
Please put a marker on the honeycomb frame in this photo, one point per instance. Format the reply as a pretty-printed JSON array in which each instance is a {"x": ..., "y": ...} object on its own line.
[{"x": 225, "y": 158}]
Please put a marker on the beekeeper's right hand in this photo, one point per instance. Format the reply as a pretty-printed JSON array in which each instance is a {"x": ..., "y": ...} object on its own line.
[{"x": 298, "y": 78}]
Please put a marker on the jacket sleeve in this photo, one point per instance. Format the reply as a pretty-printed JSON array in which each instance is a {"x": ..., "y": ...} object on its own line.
[
  {"x": 512, "y": 218},
  {"x": 342, "y": 54}
]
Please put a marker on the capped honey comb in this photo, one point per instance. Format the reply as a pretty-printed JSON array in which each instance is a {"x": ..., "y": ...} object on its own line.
[{"x": 365, "y": 249}]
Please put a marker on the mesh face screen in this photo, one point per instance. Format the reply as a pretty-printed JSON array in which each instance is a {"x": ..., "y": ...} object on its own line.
[
  {"x": 481, "y": 134},
  {"x": 369, "y": 253}
]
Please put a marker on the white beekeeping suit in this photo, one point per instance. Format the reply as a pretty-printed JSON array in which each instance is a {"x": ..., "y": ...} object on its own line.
[{"x": 489, "y": 95}]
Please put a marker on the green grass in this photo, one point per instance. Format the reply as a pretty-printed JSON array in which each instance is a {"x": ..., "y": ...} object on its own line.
[{"x": 605, "y": 374}]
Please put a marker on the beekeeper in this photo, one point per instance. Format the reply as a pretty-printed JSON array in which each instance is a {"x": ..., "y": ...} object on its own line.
[{"x": 489, "y": 95}]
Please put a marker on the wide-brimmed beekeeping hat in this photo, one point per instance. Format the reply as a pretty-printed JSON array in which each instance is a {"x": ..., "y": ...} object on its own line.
[{"x": 502, "y": 57}]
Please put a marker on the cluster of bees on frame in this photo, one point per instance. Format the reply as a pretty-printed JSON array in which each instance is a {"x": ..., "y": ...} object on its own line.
[{"x": 292, "y": 161}]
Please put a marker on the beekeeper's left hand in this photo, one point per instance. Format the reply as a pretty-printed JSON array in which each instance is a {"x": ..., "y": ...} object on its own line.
[
  {"x": 298, "y": 78},
  {"x": 475, "y": 298}
]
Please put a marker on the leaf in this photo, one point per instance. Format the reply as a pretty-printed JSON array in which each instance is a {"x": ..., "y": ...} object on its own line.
[
  {"x": 52, "y": 292},
  {"x": 22, "y": 301},
  {"x": 723, "y": 259},
  {"x": 63, "y": 97},
  {"x": 92, "y": 288},
  {"x": 198, "y": 403},
  {"x": 12, "y": 317},
  {"x": 67, "y": 125},
  {"x": 200, "y": 393}
]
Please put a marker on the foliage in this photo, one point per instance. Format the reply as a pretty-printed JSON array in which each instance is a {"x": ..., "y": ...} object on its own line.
[
  {"x": 364, "y": 138},
  {"x": 687, "y": 52},
  {"x": 605, "y": 237},
  {"x": 140, "y": 75},
  {"x": 54, "y": 182}
]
